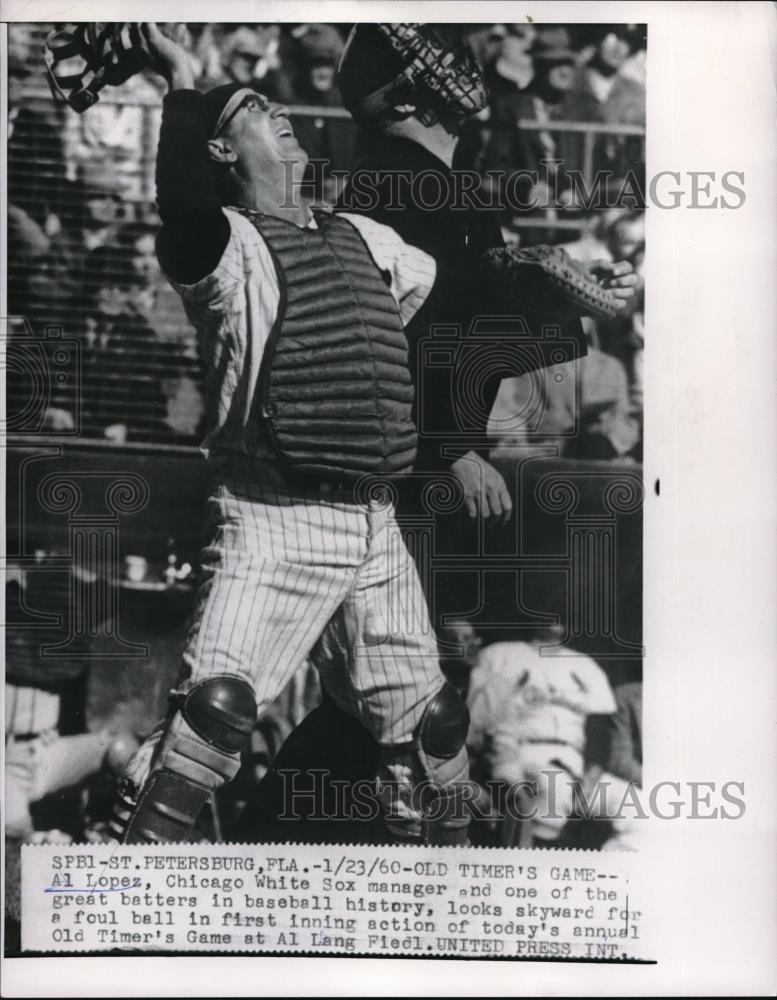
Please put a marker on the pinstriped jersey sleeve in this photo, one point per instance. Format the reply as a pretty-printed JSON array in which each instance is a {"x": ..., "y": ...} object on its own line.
[
  {"x": 245, "y": 258},
  {"x": 411, "y": 271},
  {"x": 233, "y": 310}
]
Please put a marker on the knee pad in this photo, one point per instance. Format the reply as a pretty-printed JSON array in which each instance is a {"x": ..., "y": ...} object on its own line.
[
  {"x": 440, "y": 745},
  {"x": 222, "y": 710},
  {"x": 199, "y": 751},
  {"x": 441, "y": 735}
]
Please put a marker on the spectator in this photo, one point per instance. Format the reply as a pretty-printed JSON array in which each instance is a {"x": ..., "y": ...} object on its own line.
[
  {"x": 623, "y": 769},
  {"x": 529, "y": 708},
  {"x": 152, "y": 296},
  {"x": 619, "y": 235},
  {"x": 487, "y": 43},
  {"x": 592, "y": 244},
  {"x": 318, "y": 51},
  {"x": 609, "y": 91},
  {"x": 584, "y": 405},
  {"x": 514, "y": 62},
  {"x": 626, "y": 237},
  {"x": 28, "y": 246},
  {"x": 330, "y": 141},
  {"x": 541, "y": 151},
  {"x": 47, "y": 748},
  {"x": 36, "y": 164},
  {"x": 94, "y": 213},
  {"x": 459, "y": 645},
  {"x": 36, "y": 180},
  {"x": 129, "y": 377},
  {"x": 154, "y": 301},
  {"x": 555, "y": 75},
  {"x": 114, "y": 132},
  {"x": 507, "y": 69},
  {"x": 250, "y": 55},
  {"x": 625, "y": 336},
  {"x": 200, "y": 42},
  {"x": 241, "y": 50},
  {"x": 625, "y": 752},
  {"x": 54, "y": 289}
]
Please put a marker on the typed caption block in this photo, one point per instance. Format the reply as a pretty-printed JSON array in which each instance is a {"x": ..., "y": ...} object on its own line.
[{"x": 297, "y": 898}]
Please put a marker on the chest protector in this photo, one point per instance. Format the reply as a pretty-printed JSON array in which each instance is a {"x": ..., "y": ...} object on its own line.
[{"x": 334, "y": 385}]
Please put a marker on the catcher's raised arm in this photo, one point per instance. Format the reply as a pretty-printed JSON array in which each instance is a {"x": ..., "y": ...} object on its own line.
[{"x": 82, "y": 59}]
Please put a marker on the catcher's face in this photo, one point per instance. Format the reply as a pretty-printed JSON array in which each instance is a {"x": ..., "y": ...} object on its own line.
[{"x": 260, "y": 134}]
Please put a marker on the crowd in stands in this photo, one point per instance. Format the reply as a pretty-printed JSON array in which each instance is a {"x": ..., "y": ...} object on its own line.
[{"x": 81, "y": 216}]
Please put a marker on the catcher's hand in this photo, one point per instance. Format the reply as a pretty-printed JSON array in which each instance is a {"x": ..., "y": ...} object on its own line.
[
  {"x": 546, "y": 279},
  {"x": 163, "y": 45}
]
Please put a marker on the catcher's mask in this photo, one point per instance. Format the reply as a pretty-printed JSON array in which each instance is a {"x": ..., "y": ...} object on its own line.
[
  {"x": 437, "y": 74},
  {"x": 81, "y": 59}
]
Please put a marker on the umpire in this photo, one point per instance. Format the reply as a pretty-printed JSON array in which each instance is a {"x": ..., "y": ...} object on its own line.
[{"x": 410, "y": 126}]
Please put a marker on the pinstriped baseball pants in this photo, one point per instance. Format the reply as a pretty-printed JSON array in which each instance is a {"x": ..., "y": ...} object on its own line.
[{"x": 287, "y": 570}]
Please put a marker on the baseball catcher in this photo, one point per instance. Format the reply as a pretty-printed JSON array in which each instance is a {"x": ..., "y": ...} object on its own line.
[{"x": 300, "y": 319}]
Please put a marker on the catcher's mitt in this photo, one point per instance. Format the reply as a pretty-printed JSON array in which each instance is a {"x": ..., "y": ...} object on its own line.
[
  {"x": 83, "y": 58},
  {"x": 546, "y": 279}
]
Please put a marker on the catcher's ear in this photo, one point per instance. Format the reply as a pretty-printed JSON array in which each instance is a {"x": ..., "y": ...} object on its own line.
[{"x": 221, "y": 151}]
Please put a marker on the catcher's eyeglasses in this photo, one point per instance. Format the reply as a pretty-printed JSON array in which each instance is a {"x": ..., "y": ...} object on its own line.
[{"x": 250, "y": 100}]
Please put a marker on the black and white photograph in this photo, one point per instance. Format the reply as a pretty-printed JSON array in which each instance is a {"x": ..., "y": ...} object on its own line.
[{"x": 327, "y": 465}]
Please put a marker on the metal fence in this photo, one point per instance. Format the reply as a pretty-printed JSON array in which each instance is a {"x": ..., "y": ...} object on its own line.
[{"x": 146, "y": 134}]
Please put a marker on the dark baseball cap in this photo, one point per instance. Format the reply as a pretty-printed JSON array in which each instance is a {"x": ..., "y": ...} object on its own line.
[{"x": 222, "y": 102}]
